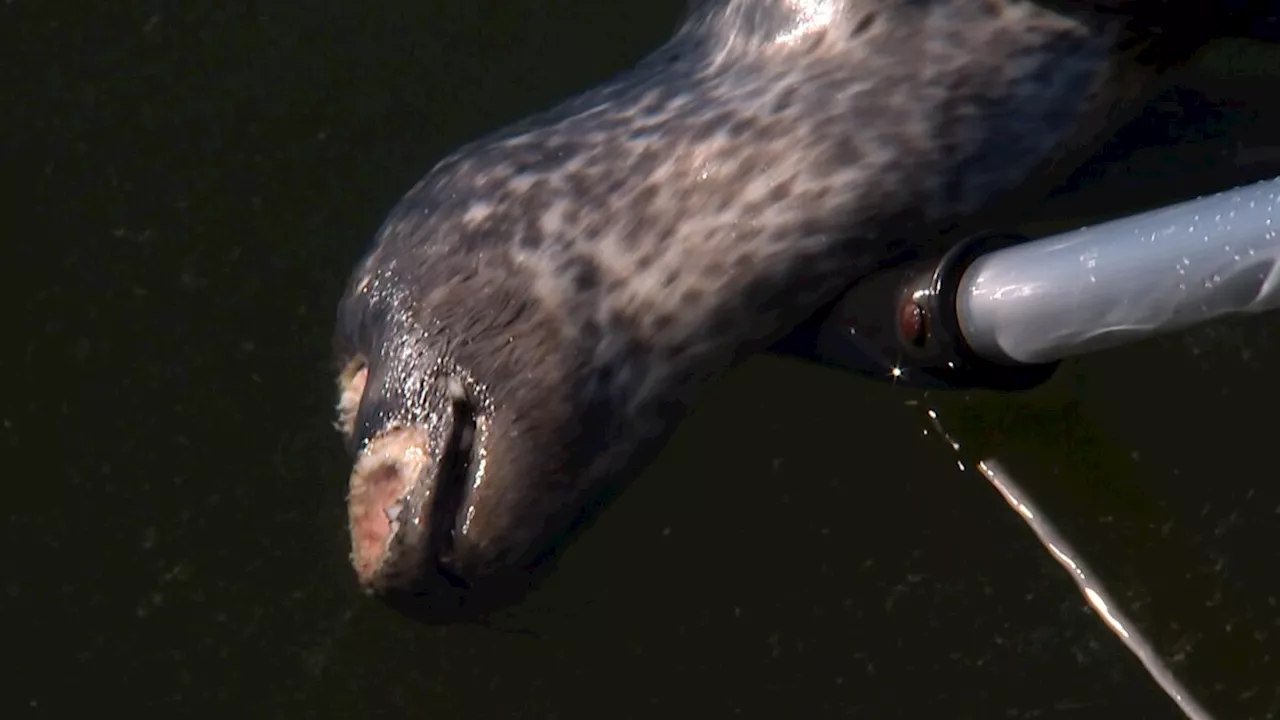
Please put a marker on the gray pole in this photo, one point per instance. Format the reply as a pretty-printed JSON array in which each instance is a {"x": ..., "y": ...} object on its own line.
[{"x": 1126, "y": 279}]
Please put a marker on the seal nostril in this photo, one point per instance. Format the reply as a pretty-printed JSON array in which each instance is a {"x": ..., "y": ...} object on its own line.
[{"x": 454, "y": 482}]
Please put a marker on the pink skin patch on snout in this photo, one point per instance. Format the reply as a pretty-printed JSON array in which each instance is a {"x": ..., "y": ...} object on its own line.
[
  {"x": 379, "y": 481},
  {"x": 351, "y": 382}
]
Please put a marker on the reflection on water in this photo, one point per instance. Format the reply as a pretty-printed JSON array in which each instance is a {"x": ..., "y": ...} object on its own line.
[
  {"x": 1098, "y": 597},
  {"x": 1147, "y": 459},
  {"x": 193, "y": 185}
]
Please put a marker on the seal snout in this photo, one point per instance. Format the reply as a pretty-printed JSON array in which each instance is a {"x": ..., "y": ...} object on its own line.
[{"x": 412, "y": 457}]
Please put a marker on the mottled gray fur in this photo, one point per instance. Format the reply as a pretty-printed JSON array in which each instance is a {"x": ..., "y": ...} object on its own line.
[{"x": 585, "y": 271}]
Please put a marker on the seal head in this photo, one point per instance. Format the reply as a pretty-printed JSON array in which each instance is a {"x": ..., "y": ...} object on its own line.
[{"x": 538, "y": 312}]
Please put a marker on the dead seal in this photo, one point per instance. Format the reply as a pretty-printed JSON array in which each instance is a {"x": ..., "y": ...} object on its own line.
[{"x": 538, "y": 311}]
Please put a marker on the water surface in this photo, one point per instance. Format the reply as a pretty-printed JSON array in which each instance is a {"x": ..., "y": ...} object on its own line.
[{"x": 191, "y": 187}]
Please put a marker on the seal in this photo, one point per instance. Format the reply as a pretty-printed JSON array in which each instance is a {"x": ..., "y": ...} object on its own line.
[{"x": 538, "y": 312}]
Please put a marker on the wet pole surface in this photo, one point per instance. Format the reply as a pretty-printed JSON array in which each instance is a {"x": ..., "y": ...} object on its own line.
[{"x": 187, "y": 191}]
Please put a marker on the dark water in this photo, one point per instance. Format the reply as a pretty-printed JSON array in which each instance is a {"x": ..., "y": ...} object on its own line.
[{"x": 188, "y": 185}]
